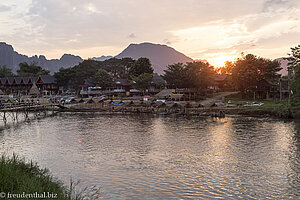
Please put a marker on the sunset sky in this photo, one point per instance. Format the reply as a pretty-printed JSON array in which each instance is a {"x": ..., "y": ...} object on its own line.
[{"x": 215, "y": 30}]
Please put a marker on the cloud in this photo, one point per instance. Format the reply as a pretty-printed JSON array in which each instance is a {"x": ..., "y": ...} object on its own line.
[
  {"x": 132, "y": 35},
  {"x": 167, "y": 41},
  {"x": 197, "y": 28},
  {"x": 4, "y": 8}
]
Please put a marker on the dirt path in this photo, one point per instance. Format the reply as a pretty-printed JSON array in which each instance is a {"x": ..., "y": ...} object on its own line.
[{"x": 216, "y": 98}]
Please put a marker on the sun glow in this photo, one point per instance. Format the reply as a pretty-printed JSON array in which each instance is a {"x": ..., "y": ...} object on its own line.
[{"x": 219, "y": 61}]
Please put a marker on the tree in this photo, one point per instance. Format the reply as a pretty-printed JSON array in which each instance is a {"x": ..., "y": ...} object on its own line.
[
  {"x": 227, "y": 69},
  {"x": 31, "y": 70},
  {"x": 103, "y": 78},
  {"x": 140, "y": 66},
  {"x": 5, "y": 72},
  {"x": 294, "y": 57},
  {"x": 175, "y": 75},
  {"x": 249, "y": 70},
  {"x": 143, "y": 81},
  {"x": 64, "y": 77},
  {"x": 199, "y": 74},
  {"x": 191, "y": 75},
  {"x": 294, "y": 66}
]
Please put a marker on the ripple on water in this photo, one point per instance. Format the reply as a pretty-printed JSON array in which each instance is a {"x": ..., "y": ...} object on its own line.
[{"x": 138, "y": 157}]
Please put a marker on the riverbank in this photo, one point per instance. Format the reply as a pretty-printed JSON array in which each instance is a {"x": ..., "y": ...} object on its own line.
[
  {"x": 22, "y": 180},
  {"x": 268, "y": 109}
]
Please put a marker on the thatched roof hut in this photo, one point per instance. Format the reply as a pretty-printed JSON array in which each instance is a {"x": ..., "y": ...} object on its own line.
[
  {"x": 161, "y": 104},
  {"x": 97, "y": 100},
  {"x": 165, "y": 93},
  {"x": 90, "y": 100},
  {"x": 34, "y": 91},
  {"x": 129, "y": 103},
  {"x": 150, "y": 103},
  {"x": 80, "y": 100},
  {"x": 1, "y": 92},
  {"x": 173, "y": 105}
]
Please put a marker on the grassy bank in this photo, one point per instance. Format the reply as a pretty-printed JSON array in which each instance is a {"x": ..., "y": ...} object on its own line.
[
  {"x": 19, "y": 177},
  {"x": 280, "y": 109}
]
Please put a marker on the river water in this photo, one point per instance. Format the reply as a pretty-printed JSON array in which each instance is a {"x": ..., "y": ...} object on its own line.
[{"x": 141, "y": 157}]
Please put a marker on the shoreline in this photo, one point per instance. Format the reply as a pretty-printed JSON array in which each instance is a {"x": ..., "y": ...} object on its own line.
[{"x": 195, "y": 112}]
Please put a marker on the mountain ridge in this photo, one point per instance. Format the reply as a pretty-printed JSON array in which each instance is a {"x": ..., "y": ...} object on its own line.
[
  {"x": 12, "y": 59},
  {"x": 159, "y": 55}
]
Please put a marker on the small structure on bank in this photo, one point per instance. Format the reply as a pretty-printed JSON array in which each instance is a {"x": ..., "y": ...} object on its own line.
[
  {"x": 167, "y": 94},
  {"x": 34, "y": 91}
]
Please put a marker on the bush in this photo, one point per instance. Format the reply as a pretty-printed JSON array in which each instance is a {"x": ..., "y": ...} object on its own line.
[{"x": 18, "y": 177}]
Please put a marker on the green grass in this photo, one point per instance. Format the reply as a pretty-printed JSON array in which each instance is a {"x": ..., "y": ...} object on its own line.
[
  {"x": 17, "y": 176},
  {"x": 276, "y": 108}
]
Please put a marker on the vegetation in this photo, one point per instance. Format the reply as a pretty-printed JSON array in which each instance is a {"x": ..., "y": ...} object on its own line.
[
  {"x": 31, "y": 70},
  {"x": 17, "y": 176},
  {"x": 103, "y": 78},
  {"x": 294, "y": 66},
  {"x": 143, "y": 81},
  {"x": 102, "y": 73},
  {"x": 141, "y": 66},
  {"x": 249, "y": 70},
  {"x": 191, "y": 75},
  {"x": 5, "y": 72}
]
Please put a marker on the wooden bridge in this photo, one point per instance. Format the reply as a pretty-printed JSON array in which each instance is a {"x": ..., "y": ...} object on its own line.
[{"x": 14, "y": 112}]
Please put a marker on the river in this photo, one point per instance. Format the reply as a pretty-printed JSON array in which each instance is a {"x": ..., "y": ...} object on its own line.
[{"x": 144, "y": 157}]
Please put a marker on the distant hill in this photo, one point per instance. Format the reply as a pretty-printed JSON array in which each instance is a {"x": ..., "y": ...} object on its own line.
[
  {"x": 11, "y": 59},
  {"x": 284, "y": 65},
  {"x": 160, "y": 55},
  {"x": 102, "y": 58}
]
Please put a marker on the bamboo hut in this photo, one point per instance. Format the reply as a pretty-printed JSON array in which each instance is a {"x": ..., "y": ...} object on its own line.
[
  {"x": 34, "y": 91},
  {"x": 90, "y": 100},
  {"x": 80, "y": 101}
]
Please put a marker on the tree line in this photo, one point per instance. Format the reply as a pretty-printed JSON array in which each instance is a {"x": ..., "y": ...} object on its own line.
[
  {"x": 25, "y": 70},
  {"x": 104, "y": 73},
  {"x": 244, "y": 74}
]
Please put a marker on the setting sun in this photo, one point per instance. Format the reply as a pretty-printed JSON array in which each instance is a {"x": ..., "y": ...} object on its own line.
[{"x": 219, "y": 61}]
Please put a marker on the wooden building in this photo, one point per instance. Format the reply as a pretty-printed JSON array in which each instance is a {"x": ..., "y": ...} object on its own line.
[{"x": 21, "y": 85}]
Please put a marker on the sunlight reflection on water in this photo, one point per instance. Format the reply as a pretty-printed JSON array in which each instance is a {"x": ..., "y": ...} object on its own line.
[{"x": 139, "y": 157}]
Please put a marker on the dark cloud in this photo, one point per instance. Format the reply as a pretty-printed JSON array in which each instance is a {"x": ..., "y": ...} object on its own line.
[
  {"x": 235, "y": 48},
  {"x": 132, "y": 35},
  {"x": 4, "y": 8},
  {"x": 167, "y": 41},
  {"x": 271, "y": 4}
]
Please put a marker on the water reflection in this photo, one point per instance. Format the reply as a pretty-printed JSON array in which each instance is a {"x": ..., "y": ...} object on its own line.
[{"x": 139, "y": 157}]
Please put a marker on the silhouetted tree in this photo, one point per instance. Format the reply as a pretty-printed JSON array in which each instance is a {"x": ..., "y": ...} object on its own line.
[
  {"x": 5, "y": 72},
  {"x": 249, "y": 70},
  {"x": 143, "y": 81},
  {"x": 140, "y": 66},
  {"x": 103, "y": 78},
  {"x": 31, "y": 70}
]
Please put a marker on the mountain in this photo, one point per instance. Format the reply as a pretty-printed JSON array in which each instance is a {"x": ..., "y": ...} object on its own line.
[
  {"x": 102, "y": 58},
  {"x": 284, "y": 65},
  {"x": 160, "y": 55},
  {"x": 11, "y": 59}
]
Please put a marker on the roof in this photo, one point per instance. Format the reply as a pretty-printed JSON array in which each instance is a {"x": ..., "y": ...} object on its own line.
[
  {"x": 164, "y": 93},
  {"x": 2, "y": 80},
  {"x": 220, "y": 77},
  {"x": 18, "y": 80},
  {"x": 123, "y": 82},
  {"x": 34, "y": 90},
  {"x": 10, "y": 80},
  {"x": 48, "y": 78}
]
